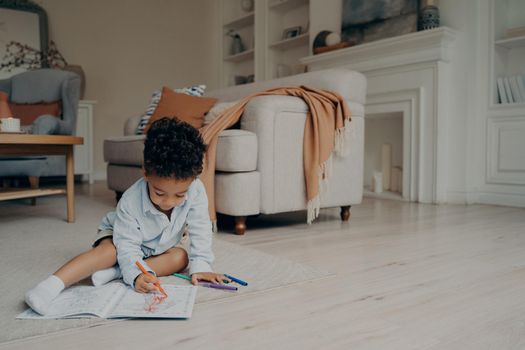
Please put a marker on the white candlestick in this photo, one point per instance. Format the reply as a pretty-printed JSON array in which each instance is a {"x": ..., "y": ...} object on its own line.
[
  {"x": 377, "y": 182},
  {"x": 386, "y": 164}
]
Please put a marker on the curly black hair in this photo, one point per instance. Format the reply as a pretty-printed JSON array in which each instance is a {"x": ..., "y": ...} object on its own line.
[{"x": 173, "y": 148}]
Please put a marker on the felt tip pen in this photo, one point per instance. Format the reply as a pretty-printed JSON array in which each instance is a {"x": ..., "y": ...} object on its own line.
[
  {"x": 241, "y": 282},
  {"x": 143, "y": 270},
  {"x": 184, "y": 277},
  {"x": 217, "y": 286}
]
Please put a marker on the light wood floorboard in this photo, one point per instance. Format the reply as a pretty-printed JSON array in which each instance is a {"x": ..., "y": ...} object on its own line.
[{"x": 408, "y": 276}]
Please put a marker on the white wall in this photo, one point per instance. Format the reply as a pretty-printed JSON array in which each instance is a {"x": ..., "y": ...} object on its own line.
[{"x": 128, "y": 48}]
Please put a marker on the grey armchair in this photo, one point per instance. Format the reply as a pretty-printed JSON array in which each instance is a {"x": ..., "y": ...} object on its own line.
[{"x": 43, "y": 85}]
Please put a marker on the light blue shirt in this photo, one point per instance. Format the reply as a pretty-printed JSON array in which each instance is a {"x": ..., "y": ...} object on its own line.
[{"x": 139, "y": 227}]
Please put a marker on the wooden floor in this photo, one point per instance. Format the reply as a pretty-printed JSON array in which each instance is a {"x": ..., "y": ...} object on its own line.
[{"x": 408, "y": 276}]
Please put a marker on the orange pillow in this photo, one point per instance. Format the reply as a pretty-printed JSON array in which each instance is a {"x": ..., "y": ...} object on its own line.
[
  {"x": 190, "y": 109},
  {"x": 28, "y": 112}
]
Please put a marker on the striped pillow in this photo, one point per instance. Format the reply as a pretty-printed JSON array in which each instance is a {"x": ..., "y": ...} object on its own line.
[{"x": 196, "y": 90}]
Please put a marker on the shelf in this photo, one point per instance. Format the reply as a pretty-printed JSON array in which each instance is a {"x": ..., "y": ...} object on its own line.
[
  {"x": 286, "y": 5},
  {"x": 511, "y": 42},
  {"x": 241, "y": 22},
  {"x": 243, "y": 56},
  {"x": 506, "y": 107},
  {"x": 9, "y": 194},
  {"x": 291, "y": 42}
]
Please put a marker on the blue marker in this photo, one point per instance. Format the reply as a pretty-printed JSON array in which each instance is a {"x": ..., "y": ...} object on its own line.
[{"x": 241, "y": 282}]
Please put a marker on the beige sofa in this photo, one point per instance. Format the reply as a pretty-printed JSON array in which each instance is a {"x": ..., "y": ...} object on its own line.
[{"x": 259, "y": 167}]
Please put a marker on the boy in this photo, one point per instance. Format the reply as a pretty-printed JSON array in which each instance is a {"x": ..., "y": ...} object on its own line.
[{"x": 149, "y": 222}]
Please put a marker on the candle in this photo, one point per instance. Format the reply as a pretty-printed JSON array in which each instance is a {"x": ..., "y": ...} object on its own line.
[
  {"x": 10, "y": 124},
  {"x": 377, "y": 182},
  {"x": 386, "y": 164}
]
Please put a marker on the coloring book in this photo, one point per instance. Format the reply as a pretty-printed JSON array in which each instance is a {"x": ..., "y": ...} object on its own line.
[{"x": 117, "y": 300}]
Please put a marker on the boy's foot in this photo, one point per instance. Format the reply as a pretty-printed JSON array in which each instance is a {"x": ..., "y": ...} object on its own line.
[
  {"x": 40, "y": 297},
  {"x": 104, "y": 276}
]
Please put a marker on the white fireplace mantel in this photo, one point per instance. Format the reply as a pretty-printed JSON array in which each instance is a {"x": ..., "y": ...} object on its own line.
[
  {"x": 412, "y": 75},
  {"x": 425, "y": 46}
]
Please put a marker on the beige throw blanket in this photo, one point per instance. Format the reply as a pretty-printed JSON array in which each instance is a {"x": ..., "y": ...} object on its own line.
[{"x": 324, "y": 132}]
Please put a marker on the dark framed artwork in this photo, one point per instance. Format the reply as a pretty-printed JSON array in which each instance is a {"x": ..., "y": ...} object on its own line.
[
  {"x": 369, "y": 20},
  {"x": 24, "y": 22}
]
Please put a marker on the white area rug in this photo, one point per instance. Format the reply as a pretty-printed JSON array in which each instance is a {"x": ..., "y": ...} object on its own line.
[{"x": 35, "y": 241}]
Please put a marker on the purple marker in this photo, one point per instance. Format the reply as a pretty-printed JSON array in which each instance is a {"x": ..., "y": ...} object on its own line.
[{"x": 217, "y": 286}]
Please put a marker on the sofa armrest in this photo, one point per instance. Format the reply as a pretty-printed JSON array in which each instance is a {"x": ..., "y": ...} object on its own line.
[
  {"x": 278, "y": 122},
  {"x": 131, "y": 125}
]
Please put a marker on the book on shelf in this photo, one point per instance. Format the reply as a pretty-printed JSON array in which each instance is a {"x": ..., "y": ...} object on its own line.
[
  {"x": 511, "y": 89},
  {"x": 521, "y": 85},
  {"x": 506, "y": 83},
  {"x": 513, "y": 81},
  {"x": 501, "y": 92}
]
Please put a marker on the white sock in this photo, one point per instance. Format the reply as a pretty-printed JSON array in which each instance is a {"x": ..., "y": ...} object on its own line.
[
  {"x": 40, "y": 297},
  {"x": 104, "y": 276}
]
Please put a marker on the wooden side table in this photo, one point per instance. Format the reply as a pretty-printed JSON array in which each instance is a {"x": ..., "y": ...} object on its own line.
[{"x": 32, "y": 145}]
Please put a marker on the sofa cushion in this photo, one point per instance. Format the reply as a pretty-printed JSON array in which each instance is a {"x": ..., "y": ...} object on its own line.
[
  {"x": 236, "y": 151},
  {"x": 28, "y": 112},
  {"x": 190, "y": 109},
  {"x": 121, "y": 177},
  {"x": 196, "y": 90},
  {"x": 126, "y": 150}
]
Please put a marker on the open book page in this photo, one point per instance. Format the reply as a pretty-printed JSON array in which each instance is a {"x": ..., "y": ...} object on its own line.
[
  {"x": 178, "y": 304},
  {"x": 82, "y": 301}
]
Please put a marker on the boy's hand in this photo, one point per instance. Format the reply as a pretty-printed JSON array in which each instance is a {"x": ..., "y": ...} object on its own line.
[
  {"x": 209, "y": 277},
  {"x": 146, "y": 283}
]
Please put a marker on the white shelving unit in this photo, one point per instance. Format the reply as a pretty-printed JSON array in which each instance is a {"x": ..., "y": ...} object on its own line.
[
  {"x": 505, "y": 124},
  {"x": 282, "y": 52},
  {"x": 233, "y": 18},
  {"x": 269, "y": 53},
  {"x": 507, "y": 54}
]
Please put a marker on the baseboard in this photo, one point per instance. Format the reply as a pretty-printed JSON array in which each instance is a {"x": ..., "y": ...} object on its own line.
[
  {"x": 480, "y": 197},
  {"x": 505, "y": 199},
  {"x": 457, "y": 197}
]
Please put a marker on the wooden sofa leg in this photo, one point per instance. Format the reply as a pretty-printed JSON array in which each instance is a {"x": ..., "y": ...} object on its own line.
[
  {"x": 118, "y": 195},
  {"x": 345, "y": 213},
  {"x": 240, "y": 225},
  {"x": 33, "y": 183}
]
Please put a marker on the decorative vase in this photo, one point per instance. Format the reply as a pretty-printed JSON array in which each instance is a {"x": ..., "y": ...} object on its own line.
[
  {"x": 429, "y": 17},
  {"x": 78, "y": 70},
  {"x": 237, "y": 45}
]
